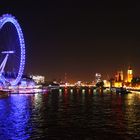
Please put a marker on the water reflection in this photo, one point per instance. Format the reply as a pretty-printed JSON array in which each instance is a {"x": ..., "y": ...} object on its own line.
[
  {"x": 70, "y": 114},
  {"x": 132, "y": 114},
  {"x": 14, "y": 118}
]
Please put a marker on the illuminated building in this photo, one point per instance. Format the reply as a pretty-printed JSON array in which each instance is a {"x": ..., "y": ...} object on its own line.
[
  {"x": 119, "y": 76},
  {"x": 38, "y": 79},
  {"x": 79, "y": 83},
  {"x": 118, "y": 84},
  {"x": 26, "y": 83},
  {"x": 106, "y": 83},
  {"x": 129, "y": 74},
  {"x": 119, "y": 79},
  {"x": 98, "y": 77}
]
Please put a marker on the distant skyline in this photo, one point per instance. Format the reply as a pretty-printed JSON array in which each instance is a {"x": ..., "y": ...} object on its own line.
[{"x": 77, "y": 37}]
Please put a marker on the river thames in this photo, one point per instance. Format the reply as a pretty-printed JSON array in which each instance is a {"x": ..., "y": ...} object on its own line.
[{"x": 70, "y": 115}]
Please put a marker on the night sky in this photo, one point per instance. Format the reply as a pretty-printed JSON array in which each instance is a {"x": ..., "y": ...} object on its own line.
[{"x": 78, "y": 37}]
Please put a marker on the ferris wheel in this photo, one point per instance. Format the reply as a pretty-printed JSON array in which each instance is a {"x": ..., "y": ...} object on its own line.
[{"x": 12, "y": 50}]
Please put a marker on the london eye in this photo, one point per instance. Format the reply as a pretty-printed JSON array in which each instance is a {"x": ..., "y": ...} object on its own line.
[{"x": 12, "y": 50}]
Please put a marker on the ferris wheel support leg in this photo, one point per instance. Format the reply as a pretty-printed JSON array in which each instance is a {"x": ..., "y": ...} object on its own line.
[{"x": 3, "y": 64}]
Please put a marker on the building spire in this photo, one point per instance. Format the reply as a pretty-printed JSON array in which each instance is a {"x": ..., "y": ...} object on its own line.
[{"x": 129, "y": 74}]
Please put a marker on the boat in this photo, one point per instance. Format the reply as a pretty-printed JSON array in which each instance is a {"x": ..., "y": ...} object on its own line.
[
  {"x": 53, "y": 86},
  {"x": 122, "y": 90}
]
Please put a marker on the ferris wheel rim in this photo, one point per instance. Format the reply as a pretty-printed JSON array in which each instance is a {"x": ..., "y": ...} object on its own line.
[{"x": 7, "y": 18}]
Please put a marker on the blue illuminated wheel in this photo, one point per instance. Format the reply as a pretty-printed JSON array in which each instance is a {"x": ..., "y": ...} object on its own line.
[{"x": 12, "y": 49}]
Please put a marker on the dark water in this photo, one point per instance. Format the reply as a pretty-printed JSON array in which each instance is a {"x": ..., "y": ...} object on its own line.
[{"x": 66, "y": 115}]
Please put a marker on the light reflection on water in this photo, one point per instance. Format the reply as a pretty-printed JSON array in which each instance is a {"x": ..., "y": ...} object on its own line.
[
  {"x": 70, "y": 114},
  {"x": 14, "y": 118}
]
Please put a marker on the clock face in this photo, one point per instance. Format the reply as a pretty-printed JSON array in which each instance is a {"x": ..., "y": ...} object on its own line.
[{"x": 129, "y": 71}]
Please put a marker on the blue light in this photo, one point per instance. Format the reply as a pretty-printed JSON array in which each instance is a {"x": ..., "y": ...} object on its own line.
[
  {"x": 9, "y": 18},
  {"x": 15, "y": 118}
]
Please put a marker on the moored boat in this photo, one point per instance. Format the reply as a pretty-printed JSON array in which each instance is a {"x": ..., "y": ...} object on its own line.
[{"x": 122, "y": 90}]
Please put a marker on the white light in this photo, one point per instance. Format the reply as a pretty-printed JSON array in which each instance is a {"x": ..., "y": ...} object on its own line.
[{"x": 7, "y": 52}]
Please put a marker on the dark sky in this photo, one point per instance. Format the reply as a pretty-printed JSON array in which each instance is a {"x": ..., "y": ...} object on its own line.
[{"x": 78, "y": 37}]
